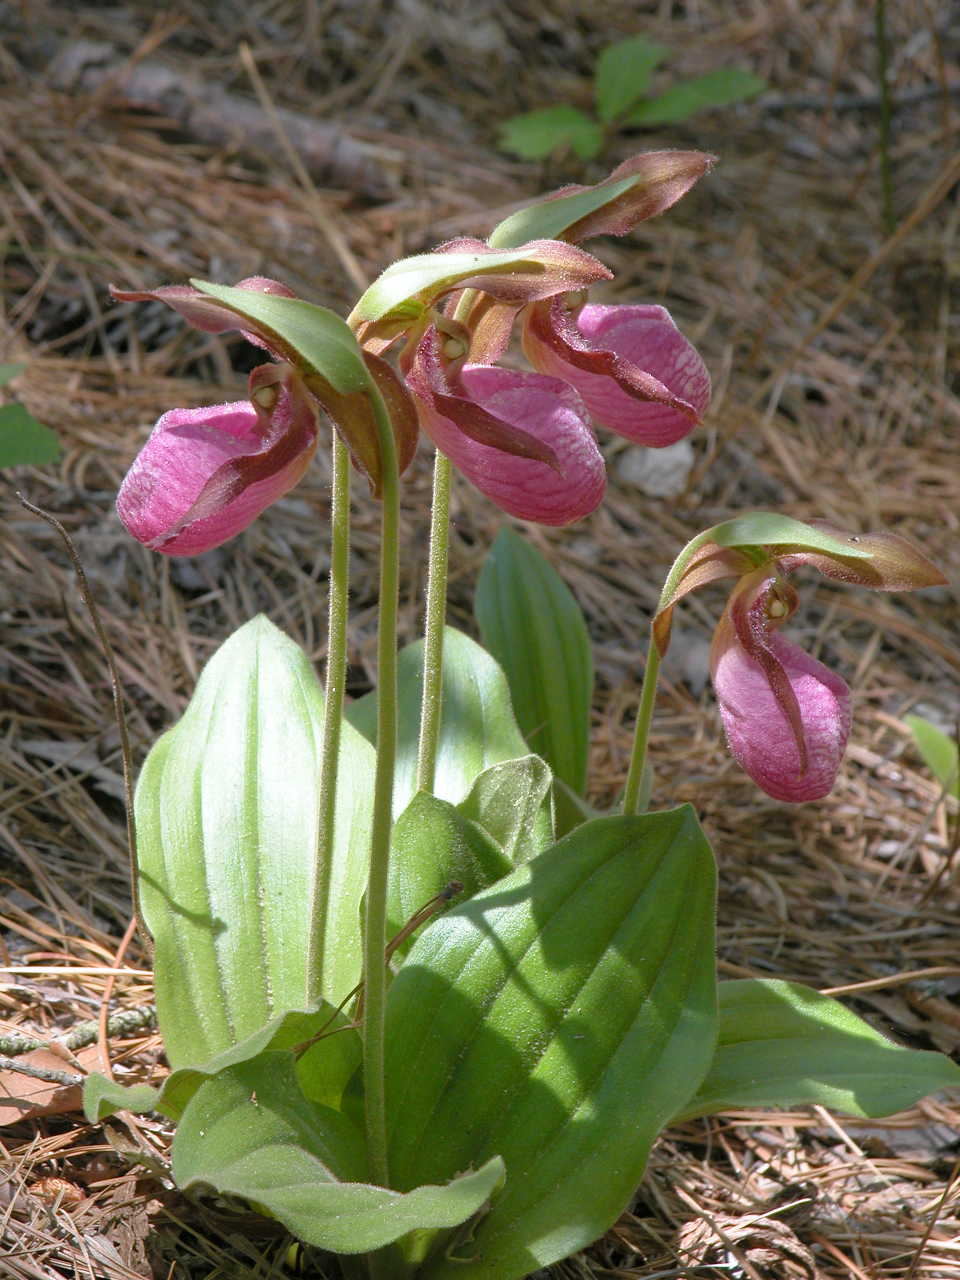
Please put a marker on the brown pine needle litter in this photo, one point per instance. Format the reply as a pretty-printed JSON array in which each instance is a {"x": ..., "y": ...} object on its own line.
[{"x": 142, "y": 149}]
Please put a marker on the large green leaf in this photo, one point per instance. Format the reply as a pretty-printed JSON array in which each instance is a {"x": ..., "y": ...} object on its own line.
[
  {"x": 511, "y": 801},
  {"x": 535, "y": 629},
  {"x": 226, "y": 812},
  {"x": 477, "y": 726},
  {"x": 558, "y": 1019},
  {"x": 317, "y": 335},
  {"x": 716, "y": 88},
  {"x": 941, "y": 753},
  {"x": 25, "y": 442},
  {"x": 433, "y": 845},
  {"x": 623, "y": 73},
  {"x": 250, "y": 1132},
  {"x": 781, "y": 1044}
]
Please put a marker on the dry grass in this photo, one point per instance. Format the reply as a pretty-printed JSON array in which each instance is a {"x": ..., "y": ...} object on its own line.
[{"x": 835, "y": 370}]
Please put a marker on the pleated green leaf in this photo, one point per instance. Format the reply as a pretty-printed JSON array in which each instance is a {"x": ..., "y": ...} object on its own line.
[
  {"x": 558, "y": 1019},
  {"x": 434, "y": 845},
  {"x": 477, "y": 725},
  {"x": 535, "y": 629},
  {"x": 230, "y": 879},
  {"x": 511, "y": 801},
  {"x": 250, "y": 1132},
  {"x": 781, "y": 1043}
]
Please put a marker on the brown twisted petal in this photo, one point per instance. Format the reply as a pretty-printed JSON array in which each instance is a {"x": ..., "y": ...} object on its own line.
[{"x": 895, "y": 563}]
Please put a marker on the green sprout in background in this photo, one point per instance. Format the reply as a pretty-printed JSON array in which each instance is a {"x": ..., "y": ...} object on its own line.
[
  {"x": 620, "y": 88},
  {"x": 24, "y": 442}
]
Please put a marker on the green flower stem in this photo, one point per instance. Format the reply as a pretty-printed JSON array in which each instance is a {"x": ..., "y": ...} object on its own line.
[
  {"x": 436, "y": 611},
  {"x": 638, "y": 757},
  {"x": 338, "y": 603},
  {"x": 375, "y": 925},
  {"x": 432, "y": 697}
]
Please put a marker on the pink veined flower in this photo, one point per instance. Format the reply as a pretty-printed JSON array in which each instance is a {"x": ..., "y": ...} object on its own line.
[
  {"x": 786, "y": 716},
  {"x": 205, "y": 474},
  {"x": 637, "y": 373},
  {"x": 521, "y": 438}
]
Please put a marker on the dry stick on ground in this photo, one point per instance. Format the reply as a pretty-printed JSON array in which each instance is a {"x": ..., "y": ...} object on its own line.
[{"x": 206, "y": 112}]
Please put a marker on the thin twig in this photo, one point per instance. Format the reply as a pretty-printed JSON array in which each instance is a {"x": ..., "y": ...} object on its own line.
[
  {"x": 123, "y": 1023},
  {"x": 40, "y": 1073}
]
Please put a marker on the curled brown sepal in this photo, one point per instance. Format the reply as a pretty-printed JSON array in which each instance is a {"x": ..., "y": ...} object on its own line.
[
  {"x": 399, "y": 297},
  {"x": 354, "y": 419},
  {"x": 891, "y": 564},
  {"x": 488, "y": 325},
  {"x": 210, "y": 316},
  {"x": 709, "y": 563},
  {"x": 642, "y": 187}
]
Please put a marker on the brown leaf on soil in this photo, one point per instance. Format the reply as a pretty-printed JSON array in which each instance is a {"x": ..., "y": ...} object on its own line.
[{"x": 23, "y": 1097}]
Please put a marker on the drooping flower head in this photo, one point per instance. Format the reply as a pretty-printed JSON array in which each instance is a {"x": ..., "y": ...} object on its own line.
[
  {"x": 205, "y": 474},
  {"x": 523, "y": 439},
  {"x": 786, "y": 715}
]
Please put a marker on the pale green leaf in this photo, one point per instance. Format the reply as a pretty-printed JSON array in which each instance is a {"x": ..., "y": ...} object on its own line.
[
  {"x": 433, "y": 845},
  {"x": 535, "y": 629},
  {"x": 623, "y": 73},
  {"x": 25, "y": 442},
  {"x": 941, "y": 753},
  {"x": 511, "y": 802},
  {"x": 781, "y": 1044},
  {"x": 537, "y": 134},
  {"x": 717, "y": 88},
  {"x": 477, "y": 725},
  {"x": 230, "y": 879}
]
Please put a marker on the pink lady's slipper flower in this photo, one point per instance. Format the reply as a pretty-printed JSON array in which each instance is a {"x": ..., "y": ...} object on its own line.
[
  {"x": 637, "y": 373},
  {"x": 521, "y": 438},
  {"x": 786, "y": 716},
  {"x": 205, "y": 474}
]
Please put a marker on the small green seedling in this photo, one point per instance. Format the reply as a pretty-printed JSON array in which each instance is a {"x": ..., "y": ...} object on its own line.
[{"x": 620, "y": 87}]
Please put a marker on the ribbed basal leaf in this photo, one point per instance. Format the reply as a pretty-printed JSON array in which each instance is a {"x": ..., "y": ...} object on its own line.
[
  {"x": 434, "y": 845},
  {"x": 558, "y": 1019},
  {"x": 227, "y": 848},
  {"x": 250, "y": 1132},
  {"x": 511, "y": 801},
  {"x": 535, "y": 629},
  {"x": 781, "y": 1043},
  {"x": 477, "y": 725}
]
